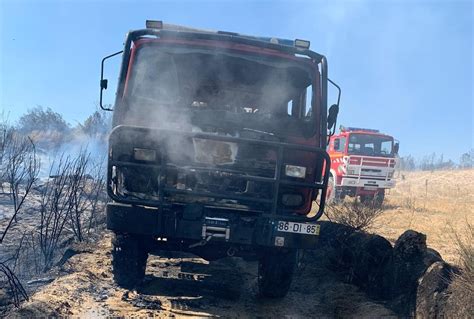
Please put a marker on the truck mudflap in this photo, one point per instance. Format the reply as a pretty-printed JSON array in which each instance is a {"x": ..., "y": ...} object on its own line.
[{"x": 208, "y": 226}]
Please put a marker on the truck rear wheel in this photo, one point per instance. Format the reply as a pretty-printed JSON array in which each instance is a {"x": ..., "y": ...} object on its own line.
[
  {"x": 366, "y": 199},
  {"x": 129, "y": 256},
  {"x": 379, "y": 198},
  {"x": 275, "y": 272},
  {"x": 376, "y": 199}
]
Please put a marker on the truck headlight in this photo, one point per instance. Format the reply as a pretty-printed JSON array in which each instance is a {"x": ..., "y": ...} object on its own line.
[
  {"x": 143, "y": 154},
  {"x": 292, "y": 200},
  {"x": 295, "y": 171}
]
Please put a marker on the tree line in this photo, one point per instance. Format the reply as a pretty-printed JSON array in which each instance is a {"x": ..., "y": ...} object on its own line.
[
  {"x": 433, "y": 162},
  {"x": 49, "y": 130},
  {"x": 42, "y": 215}
]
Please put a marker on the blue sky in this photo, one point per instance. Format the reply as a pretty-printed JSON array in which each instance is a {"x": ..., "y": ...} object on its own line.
[{"x": 405, "y": 67}]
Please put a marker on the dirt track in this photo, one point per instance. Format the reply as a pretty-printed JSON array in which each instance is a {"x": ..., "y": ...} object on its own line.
[{"x": 186, "y": 286}]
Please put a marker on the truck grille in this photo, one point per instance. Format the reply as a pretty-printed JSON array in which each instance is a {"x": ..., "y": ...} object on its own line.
[{"x": 221, "y": 171}]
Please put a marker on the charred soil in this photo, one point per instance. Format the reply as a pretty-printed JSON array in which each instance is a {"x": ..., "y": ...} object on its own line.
[
  {"x": 350, "y": 274},
  {"x": 183, "y": 285}
]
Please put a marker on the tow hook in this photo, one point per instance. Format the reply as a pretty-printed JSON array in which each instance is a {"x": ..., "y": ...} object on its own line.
[
  {"x": 202, "y": 242},
  {"x": 213, "y": 227}
]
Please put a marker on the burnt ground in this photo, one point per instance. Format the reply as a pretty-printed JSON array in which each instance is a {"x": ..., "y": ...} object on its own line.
[
  {"x": 184, "y": 285},
  {"x": 353, "y": 275}
]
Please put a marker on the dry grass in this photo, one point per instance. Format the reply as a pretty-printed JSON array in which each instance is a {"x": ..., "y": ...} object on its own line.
[
  {"x": 462, "y": 288},
  {"x": 353, "y": 214},
  {"x": 439, "y": 204},
  {"x": 466, "y": 253}
]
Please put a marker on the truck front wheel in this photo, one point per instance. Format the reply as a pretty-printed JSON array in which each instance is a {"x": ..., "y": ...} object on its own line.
[
  {"x": 275, "y": 272},
  {"x": 334, "y": 194},
  {"x": 129, "y": 256}
]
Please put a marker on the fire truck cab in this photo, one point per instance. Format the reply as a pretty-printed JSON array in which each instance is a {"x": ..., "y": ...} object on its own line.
[{"x": 362, "y": 164}]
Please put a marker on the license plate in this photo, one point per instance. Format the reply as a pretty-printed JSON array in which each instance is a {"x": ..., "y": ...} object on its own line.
[
  {"x": 370, "y": 188},
  {"x": 298, "y": 228}
]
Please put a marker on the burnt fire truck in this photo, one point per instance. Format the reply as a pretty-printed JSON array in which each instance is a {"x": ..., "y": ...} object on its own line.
[
  {"x": 362, "y": 164},
  {"x": 218, "y": 148}
]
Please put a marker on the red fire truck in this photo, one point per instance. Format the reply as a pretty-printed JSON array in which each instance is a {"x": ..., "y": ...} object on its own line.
[{"x": 362, "y": 164}]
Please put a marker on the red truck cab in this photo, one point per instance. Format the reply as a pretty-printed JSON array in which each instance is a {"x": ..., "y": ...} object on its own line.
[
  {"x": 363, "y": 164},
  {"x": 218, "y": 149}
]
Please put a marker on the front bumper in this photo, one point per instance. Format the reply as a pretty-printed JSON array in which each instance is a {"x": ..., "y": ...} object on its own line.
[
  {"x": 187, "y": 223},
  {"x": 367, "y": 182}
]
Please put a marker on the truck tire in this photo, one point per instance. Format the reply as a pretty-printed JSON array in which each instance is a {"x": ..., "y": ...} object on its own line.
[
  {"x": 379, "y": 197},
  {"x": 275, "y": 272},
  {"x": 366, "y": 199},
  {"x": 129, "y": 256},
  {"x": 376, "y": 199},
  {"x": 334, "y": 195},
  {"x": 331, "y": 192}
]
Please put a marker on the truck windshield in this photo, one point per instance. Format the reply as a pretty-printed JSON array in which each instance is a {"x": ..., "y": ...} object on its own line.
[
  {"x": 175, "y": 84},
  {"x": 370, "y": 144}
]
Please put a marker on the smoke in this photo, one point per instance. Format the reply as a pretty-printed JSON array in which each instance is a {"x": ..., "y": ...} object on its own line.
[
  {"x": 181, "y": 80},
  {"x": 76, "y": 143},
  {"x": 196, "y": 90}
]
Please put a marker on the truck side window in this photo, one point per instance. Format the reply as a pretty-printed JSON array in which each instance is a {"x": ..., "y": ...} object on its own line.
[
  {"x": 386, "y": 147},
  {"x": 340, "y": 144},
  {"x": 299, "y": 106}
]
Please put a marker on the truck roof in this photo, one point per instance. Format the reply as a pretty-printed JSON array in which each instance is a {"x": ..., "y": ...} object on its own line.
[
  {"x": 357, "y": 129},
  {"x": 298, "y": 44},
  {"x": 345, "y": 130}
]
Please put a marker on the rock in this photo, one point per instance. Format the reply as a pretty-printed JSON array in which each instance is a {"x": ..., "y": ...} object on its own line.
[
  {"x": 411, "y": 258},
  {"x": 431, "y": 295},
  {"x": 460, "y": 303},
  {"x": 331, "y": 242},
  {"x": 371, "y": 263},
  {"x": 410, "y": 245},
  {"x": 360, "y": 258}
]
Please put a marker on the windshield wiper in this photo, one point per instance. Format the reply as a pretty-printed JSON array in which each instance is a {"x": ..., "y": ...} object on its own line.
[{"x": 258, "y": 131}]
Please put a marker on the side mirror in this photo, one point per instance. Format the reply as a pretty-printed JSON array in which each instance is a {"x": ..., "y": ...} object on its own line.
[
  {"x": 103, "y": 84},
  {"x": 396, "y": 146},
  {"x": 332, "y": 116},
  {"x": 337, "y": 144}
]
